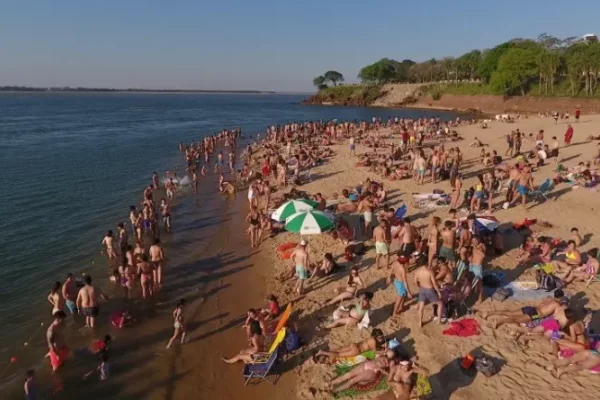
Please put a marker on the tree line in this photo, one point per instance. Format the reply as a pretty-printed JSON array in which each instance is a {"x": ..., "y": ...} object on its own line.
[{"x": 549, "y": 65}]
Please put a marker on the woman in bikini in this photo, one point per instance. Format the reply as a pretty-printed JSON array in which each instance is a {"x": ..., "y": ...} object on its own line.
[
  {"x": 146, "y": 273},
  {"x": 353, "y": 283},
  {"x": 353, "y": 316},
  {"x": 178, "y": 324},
  {"x": 585, "y": 272},
  {"x": 374, "y": 343},
  {"x": 456, "y": 184},
  {"x": 254, "y": 220},
  {"x": 257, "y": 341},
  {"x": 55, "y": 298},
  {"x": 363, "y": 373}
]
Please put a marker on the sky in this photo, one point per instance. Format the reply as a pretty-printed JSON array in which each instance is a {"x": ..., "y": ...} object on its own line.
[{"x": 278, "y": 45}]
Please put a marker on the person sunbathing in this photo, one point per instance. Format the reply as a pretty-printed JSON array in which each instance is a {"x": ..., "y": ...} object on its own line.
[
  {"x": 401, "y": 377},
  {"x": 526, "y": 314},
  {"x": 362, "y": 373},
  {"x": 584, "y": 360},
  {"x": 327, "y": 267},
  {"x": 353, "y": 283},
  {"x": 257, "y": 342},
  {"x": 354, "y": 315},
  {"x": 572, "y": 257},
  {"x": 576, "y": 339},
  {"x": 375, "y": 342}
]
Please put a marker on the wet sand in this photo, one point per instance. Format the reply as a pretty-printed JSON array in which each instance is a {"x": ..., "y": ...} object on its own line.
[{"x": 211, "y": 265}]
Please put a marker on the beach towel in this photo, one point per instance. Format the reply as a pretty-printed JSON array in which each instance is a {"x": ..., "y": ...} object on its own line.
[
  {"x": 379, "y": 383},
  {"x": 286, "y": 246},
  {"x": 423, "y": 386},
  {"x": 346, "y": 362},
  {"x": 463, "y": 328},
  {"x": 286, "y": 255}
]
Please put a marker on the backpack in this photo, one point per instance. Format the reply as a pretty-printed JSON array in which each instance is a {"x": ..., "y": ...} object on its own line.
[
  {"x": 292, "y": 341},
  {"x": 501, "y": 294},
  {"x": 486, "y": 366},
  {"x": 549, "y": 282}
]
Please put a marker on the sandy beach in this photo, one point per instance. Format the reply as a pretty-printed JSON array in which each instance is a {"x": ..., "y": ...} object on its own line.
[{"x": 523, "y": 373}]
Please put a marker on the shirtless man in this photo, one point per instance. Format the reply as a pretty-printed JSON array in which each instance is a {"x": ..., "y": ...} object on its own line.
[
  {"x": 428, "y": 291},
  {"x": 526, "y": 314},
  {"x": 399, "y": 276},
  {"x": 476, "y": 267},
  {"x": 301, "y": 262},
  {"x": 366, "y": 206},
  {"x": 513, "y": 178},
  {"x": 407, "y": 233},
  {"x": 382, "y": 242},
  {"x": 146, "y": 271},
  {"x": 87, "y": 301},
  {"x": 123, "y": 237},
  {"x": 448, "y": 242},
  {"x": 524, "y": 185},
  {"x": 432, "y": 240},
  {"x": 57, "y": 350},
  {"x": 107, "y": 242},
  {"x": 420, "y": 166},
  {"x": 133, "y": 218},
  {"x": 69, "y": 292},
  {"x": 165, "y": 212},
  {"x": 195, "y": 180},
  {"x": 157, "y": 258},
  {"x": 435, "y": 161}
]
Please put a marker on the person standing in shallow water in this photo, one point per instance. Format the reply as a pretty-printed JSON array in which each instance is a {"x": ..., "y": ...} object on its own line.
[
  {"x": 107, "y": 242},
  {"x": 88, "y": 301},
  {"x": 157, "y": 258}
]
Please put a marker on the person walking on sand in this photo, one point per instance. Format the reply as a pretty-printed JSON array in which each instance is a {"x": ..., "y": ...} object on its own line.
[
  {"x": 87, "y": 301},
  {"x": 352, "y": 147},
  {"x": 428, "y": 291},
  {"x": 433, "y": 239},
  {"x": 253, "y": 218},
  {"x": 178, "y": 325},
  {"x": 399, "y": 276},
  {"x": 301, "y": 262},
  {"x": 568, "y": 135},
  {"x": 382, "y": 242}
]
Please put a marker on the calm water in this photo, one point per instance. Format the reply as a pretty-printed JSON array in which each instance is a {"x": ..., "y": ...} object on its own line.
[{"x": 71, "y": 164}]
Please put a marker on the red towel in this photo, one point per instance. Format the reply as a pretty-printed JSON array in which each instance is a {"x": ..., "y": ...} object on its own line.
[{"x": 464, "y": 328}]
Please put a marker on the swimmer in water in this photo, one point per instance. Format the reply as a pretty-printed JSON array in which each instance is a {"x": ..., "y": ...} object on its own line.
[{"x": 107, "y": 242}]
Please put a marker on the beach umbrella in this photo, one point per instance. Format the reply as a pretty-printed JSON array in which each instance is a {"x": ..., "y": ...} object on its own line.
[
  {"x": 310, "y": 222},
  {"x": 292, "y": 207}
]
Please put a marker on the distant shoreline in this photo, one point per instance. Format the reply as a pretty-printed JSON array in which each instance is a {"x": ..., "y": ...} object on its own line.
[{"x": 24, "y": 89}]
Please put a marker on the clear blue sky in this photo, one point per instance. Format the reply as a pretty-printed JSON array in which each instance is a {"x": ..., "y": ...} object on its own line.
[{"x": 255, "y": 44}]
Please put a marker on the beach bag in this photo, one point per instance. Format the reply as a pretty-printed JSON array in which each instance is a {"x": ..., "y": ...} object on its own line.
[
  {"x": 292, "y": 341},
  {"x": 548, "y": 282},
  {"x": 501, "y": 294},
  {"x": 486, "y": 366}
]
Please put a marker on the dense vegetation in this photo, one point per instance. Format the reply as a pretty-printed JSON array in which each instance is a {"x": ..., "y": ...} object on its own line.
[
  {"x": 331, "y": 77},
  {"x": 352, "y": 94},
  {"x": 548, "y": 66}
]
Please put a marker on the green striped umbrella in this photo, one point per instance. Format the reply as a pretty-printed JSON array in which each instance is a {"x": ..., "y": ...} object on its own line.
[
  {"x": 311, "y": 222},
  {"x": 292, "y": 207}
]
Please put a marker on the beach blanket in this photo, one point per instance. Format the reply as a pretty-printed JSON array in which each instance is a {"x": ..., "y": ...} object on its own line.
[
  {"x": 463, "y": 328},
  {"x": 346, "y": 362},
  {"x": 431, "y": 200},
  {"x": 379, "y": 383}
]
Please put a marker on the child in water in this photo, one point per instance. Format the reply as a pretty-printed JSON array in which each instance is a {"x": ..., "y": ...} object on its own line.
[{"x": 30, "y": 385}]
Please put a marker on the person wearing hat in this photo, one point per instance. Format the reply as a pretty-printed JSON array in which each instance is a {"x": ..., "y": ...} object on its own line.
[
  {"x": 399, "y": 276},
  {"x": 301, "y": 262}
]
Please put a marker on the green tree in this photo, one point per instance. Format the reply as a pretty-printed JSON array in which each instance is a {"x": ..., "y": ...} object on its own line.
[
  {"x": 471, "y": 62},
  {"x": 516, "y": 69},
  {"x": 319, "y": 82},
  {"x": 382, "y": 71},
  {"x": 490, "y": 59},
  {"x": 449, "y": 66},
  {"x": 334, "y": 77}
]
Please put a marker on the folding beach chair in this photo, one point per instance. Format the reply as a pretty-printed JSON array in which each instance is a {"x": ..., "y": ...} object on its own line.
[
  {"x": 261, "y": 370},
  {"x": 541, "y": 191}
]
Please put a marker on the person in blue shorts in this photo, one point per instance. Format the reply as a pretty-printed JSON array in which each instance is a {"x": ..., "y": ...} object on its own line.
[{"x": 399, "y": 277}]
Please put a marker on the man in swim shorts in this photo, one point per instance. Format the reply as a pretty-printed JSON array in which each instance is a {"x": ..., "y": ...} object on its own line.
[
  {"x": 300, "y": 259},
  {"x": 69, "y": 292},
  {"x": 448, "y": 240},
  {"x": 527, "y": 314},
  {"x": 428, "y": 291},
  {"x": 87, "y": 301},
  {"x": 407, "y": 233},
  {"x": 399, "y": 276},
  {"x": 476, "y": 267},
  {"x": 57, "y": 350},
  {"x": 381, "y": 238},
  {"x": 524, "y": 184},
  {"x": 366, "y": 206}
]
